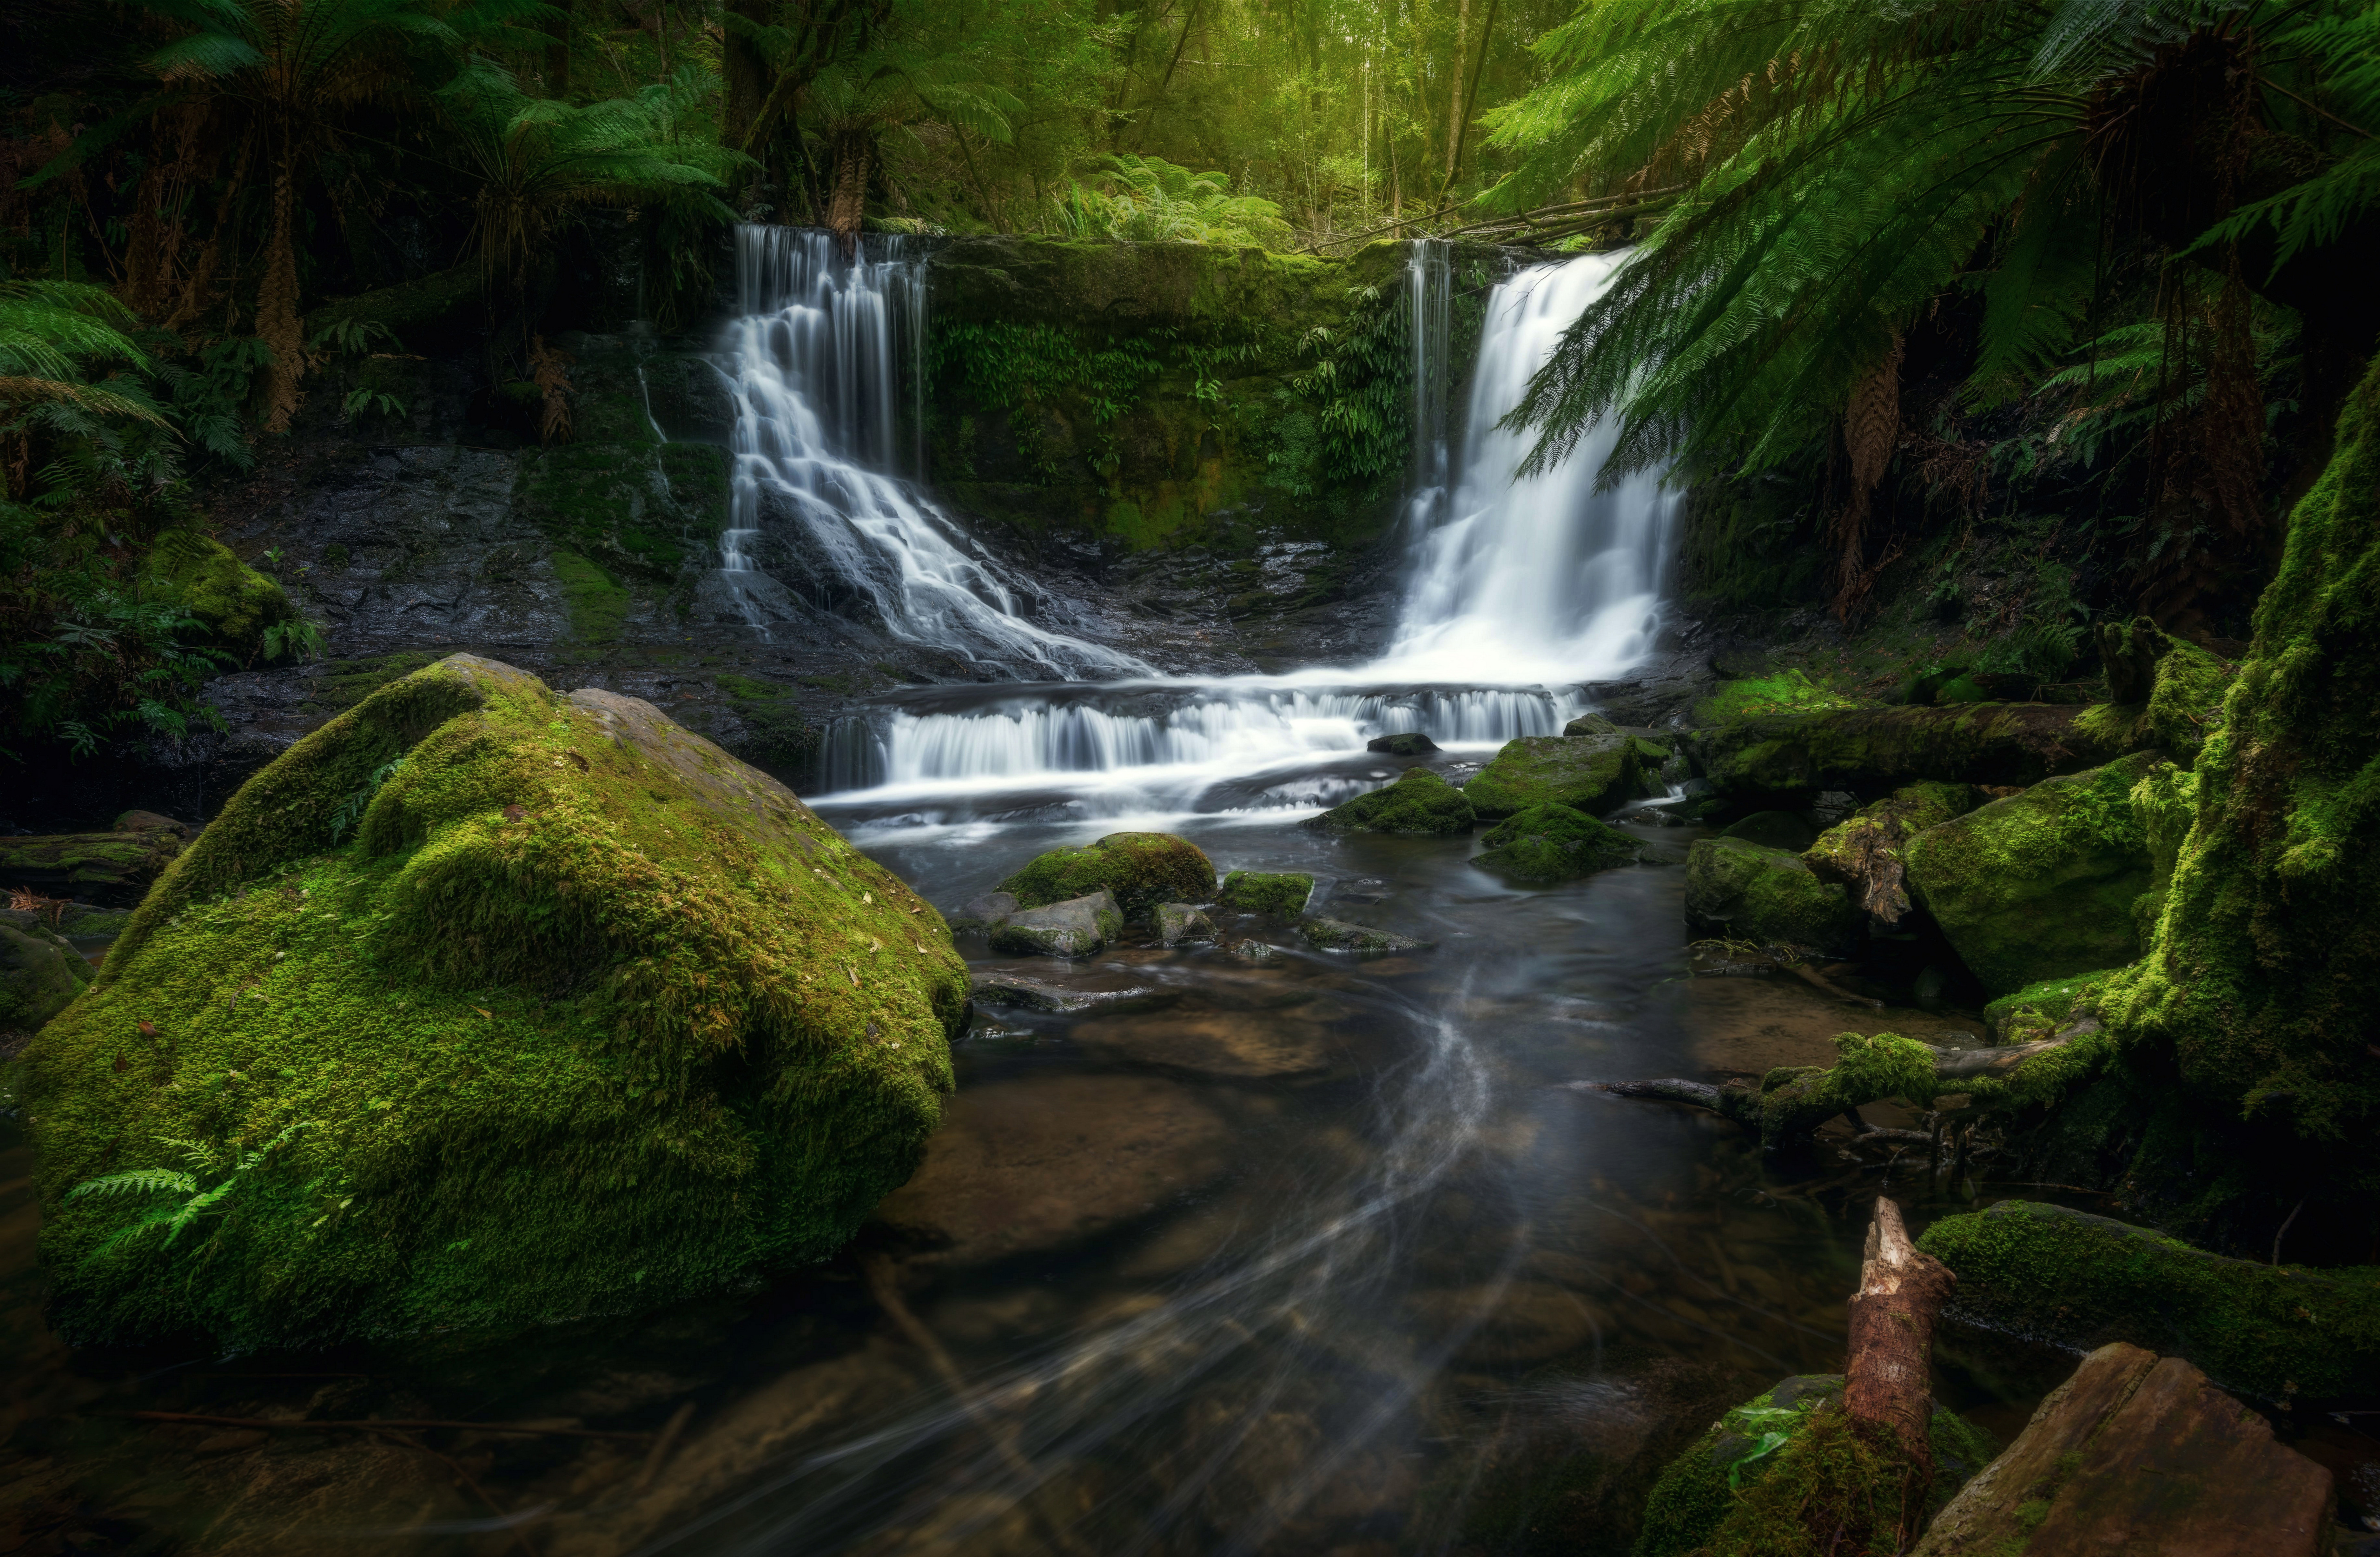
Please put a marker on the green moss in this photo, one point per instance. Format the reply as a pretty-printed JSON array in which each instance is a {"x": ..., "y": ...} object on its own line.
[
  {"x": 1142, "y": 868},
  {"x": 1873, "y": 749},
  {"x": 345, "y": 683},
  {"x": 1419, "y": 801},
  {"x": 1553, "y": 844},
  {"x": 1789, "y": 691},
  {"x": 2082, "y": 1281},
  {"x": 1259, "y": 892},
  {"x": 1793, "y": 1101},
  {"x": 584, "y": 1017},
  {"x": 2042, "y": 1006},
  {"x": 2185, "y": 702},
  {"x": 779, "y": 738},
  {"x": 636, "y": 508},
  {"x": 2040, "y": 884},
  {"x": 39, "y": 975},
  {"x": 1740, "y": 888},
  {"x": 597, "y": 602},
  {"x": 115, "y": 867},
  {"x": 236, "y": 603},
  {"x": 1591, "y": 773}
]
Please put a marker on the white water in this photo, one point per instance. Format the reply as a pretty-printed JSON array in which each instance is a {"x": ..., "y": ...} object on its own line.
[{"x": 1519, "y": 590}]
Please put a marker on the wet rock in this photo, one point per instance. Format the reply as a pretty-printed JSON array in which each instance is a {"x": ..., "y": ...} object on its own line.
[
  {"x": 1338, "y": 935},
  {"x": 1738, "y": 889},
  {"x": 40, "y": 974},
  {"x": 1260, "y": 892},
  {"x": 1020, "y": 1166},
  {"x": 1419, "y": 801},
  {"x": 2136, "y": 1453},
  {"x": 2042, "y": 884},
  {"x": 1865, "y": 853},
  {"x": 1405, "y": 743},
  {"x": 1178, "y": 922},
  {"x": 1553, "y": 844},
  {"x": 1018, "y": 991},
  {"x": 984, "y": 912},
  {"x": 1255, "y": 950},
  {"x": 1773, "y": 830},
  {"x": 1592, "y": 774},
  {"x": 1079, "y": 927},
  {"x": 114, "y": 869},
  {"x": 1139, "y": 869},
  {"x": 1590, "y": 725},
  {"x": 1242, "y": 1045}
]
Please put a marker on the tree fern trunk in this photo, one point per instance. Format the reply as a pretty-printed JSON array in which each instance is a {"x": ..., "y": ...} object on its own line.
[
  {"x": 276, "y": 301},
  {"x": 849, "y": 201}
]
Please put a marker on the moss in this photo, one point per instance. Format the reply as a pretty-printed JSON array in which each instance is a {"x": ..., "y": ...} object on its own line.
[
  {"x": 1591, "y": 773},
  {"x": 2042, "y": 1006},
  {"x": 1793, "y": 1101},
  {"x": 1419, "y": 801},
  {"x": 597, "y": 602},
  {"x": 1789, "y": 691},
  {"x": 1553, "y": 844},
  {"x": 778, "y": 739},
  {"x": 2082, "y": 1281},
  {"x": 1769, "y": 895},
  {"x": 114, "y": 866},
  {"x": 2039, "y": 884},
  {"x": 345, "y": 683},
  {"x": 634, "y": 507},
  {"x": 198, "y": 574},
  {"x": 2184, "y": 704},
  {"x": 1260, "y": 892},
  {"x": 1142, "y": 869},
  {"x": 39, "y": 975},
  {"x": 1876, "y": 748},
  {"x": 584, "y": 1016}
]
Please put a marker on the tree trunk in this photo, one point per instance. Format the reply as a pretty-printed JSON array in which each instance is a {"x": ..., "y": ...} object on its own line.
[
  {"x": 1454, "y": 91},
  {"x": 277, "y": 301},
  {"x": 748, "y": 77},
  {"x": 557, "y": 54},
  {"x": 849, "y": 202},
  {"x": 1885, "y": 1374}
]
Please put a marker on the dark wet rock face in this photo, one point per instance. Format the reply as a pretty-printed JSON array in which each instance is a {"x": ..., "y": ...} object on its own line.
[{"x": 1177, "y": 923}]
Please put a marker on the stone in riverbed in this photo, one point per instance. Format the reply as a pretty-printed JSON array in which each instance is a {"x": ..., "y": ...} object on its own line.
[
  {"x": 1419, "y": 801},
  {"x": 1178, "y": 922},
  {"x": 1263, "y": 892},
  {"x": 1040, "y": 994},
  {"x": 1080, "y": 927},
  {"x": 1405, "y": 743},
  {"x": 1747, "y": 893},
  {"x": 1338, "y": 935},
  {"x": 1553, "y": 844},
  {"x": 39, "y": 975},
  {"x": 1141, "y": 869},
  {"x": 1592, "y": 774},
  {"x": 982, "y": 913}
]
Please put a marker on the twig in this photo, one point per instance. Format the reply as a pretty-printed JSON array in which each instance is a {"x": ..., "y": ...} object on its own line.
[
  {"x": 2285, "y": 1227},
  {"x": 274, "y": 1424},
  {"x": 520, "y": 1537},
  {"x": 663, "y": 1444},
  {"x": 1811, "y": 974}
]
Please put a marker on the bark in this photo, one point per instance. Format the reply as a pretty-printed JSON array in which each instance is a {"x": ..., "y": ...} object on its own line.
[
  {"x": 849, "y": 201},
  {"x": 1887, "y": 1373},
  {"x": 276, "y": 302},
  {"x": 748, "y": 76}
]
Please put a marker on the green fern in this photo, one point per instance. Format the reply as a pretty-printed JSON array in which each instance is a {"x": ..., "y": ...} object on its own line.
[{"x": 178, "y": 1216}]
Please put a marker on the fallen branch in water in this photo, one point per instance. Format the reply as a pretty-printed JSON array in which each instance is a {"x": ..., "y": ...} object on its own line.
[{"x": 279, "y": 1424}]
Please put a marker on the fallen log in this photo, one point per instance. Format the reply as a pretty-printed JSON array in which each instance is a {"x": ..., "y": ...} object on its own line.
[{"x": 1886, "y": 1386}]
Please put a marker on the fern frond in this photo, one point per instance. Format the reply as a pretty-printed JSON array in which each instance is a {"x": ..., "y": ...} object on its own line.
[{"x": 136, "y": 1180}]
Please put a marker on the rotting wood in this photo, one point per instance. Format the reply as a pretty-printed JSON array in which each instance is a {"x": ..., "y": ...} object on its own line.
[{"x": 1886, "y": 1372}]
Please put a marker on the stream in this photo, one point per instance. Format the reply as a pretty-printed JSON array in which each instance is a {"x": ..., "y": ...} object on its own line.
[{"x": 1260, "y": 1249}]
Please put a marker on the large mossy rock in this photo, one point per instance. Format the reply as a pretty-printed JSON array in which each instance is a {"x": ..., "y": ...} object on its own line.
[
  {"x": 1591, "y": 773},
  {"x": 200, "y": 574},
  {"x": 2165, "y": 693},
  {"x": 1870, "y": 749},
  {"x": 1267, "y": 892},
  {"x": 114, "y": 869},
  {"x": 1419, "y": 801},
  {"x": 2040, "y": 884},
  {"x": 39, "y": 975},
  {"x": 1740, "y": 890},
  {"x": 1864, "y": 853},
  {"x": 1553, "y": 844},
  {"x": 494, "y": 1007},
  {"x": 1709, "y": 1499},
  {"x": 1142, "y": 869},
  {"x": 2084, "y": 1281}
]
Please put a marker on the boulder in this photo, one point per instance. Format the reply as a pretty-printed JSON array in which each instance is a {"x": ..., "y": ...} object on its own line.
[
  {"x": 1419, "y": 801},
  {"x": 1553, "y": 844},
  {"x": 983, "y": 913},
  {"x": 1739, "y": 889},
  {"x": 2163, "y": 692},
  {"x": 1178, "y": 922},
  {"x": 1591, "y": 773},
  {"x": 1590, "y": 725},
  {"x": 2078, "y": 1280},
  {"x": 480, "y": 1007},
  {"x": 1880, "y": 748},
  {"x": 2136, "y": 1453},
  {"x": 1259, "y": 892},
  {"x": 113, "y": 869},
  {"x": 1864, "y": 853},
  {"x": 1773, "y": 830},
  {"x": 151, "y": 822},
  {"x": 1338, "y": 935},
  {"x": 1405, "y": 743},
  {"x": 1080, "y": 927},
  {"x": 2043, "y": 1005},
  {"x": 1141, "y": 869},
  {"x": 2041, "y": 883},
  {"x": 40, "y": 974},
  {"x": 235, "y": 602}
]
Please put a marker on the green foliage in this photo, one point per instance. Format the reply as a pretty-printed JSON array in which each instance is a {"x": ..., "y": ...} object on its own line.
[
  {"x": 1788, "y": 691},
  {"x": 1149, "y": 200},
  {"x": 178, "y": 1215},
  {"x": 1360, "y": 384}
]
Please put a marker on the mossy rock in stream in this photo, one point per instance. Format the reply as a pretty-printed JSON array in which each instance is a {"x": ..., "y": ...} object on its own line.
[
  {"x": 236, "y": 603},
  {"x": 493, "y": 1007},
  {"x": 2082, "y": 1281},
  {"x": 1710, "y": 1499},
  {"x": 1142, "y": 869},
  {"x": 1553, "y": 844},
  {"x": 1591, "y": 773},
  {"x": 1265, "y": 892},
  {"x": 1419, "y": 801}
]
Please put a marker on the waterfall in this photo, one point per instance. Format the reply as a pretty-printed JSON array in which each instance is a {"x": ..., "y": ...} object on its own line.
[
  {"x": 815, "y": 357},
  {"x": 1430, "y": 293}
]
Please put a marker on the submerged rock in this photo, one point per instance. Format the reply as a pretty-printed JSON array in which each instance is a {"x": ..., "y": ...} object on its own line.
[
  {"x": 1338, "y": 935},
  {"x": 983, "y": 913},
  {"x": 2041, "y": 883},
  {"x": 1592, "y": 774},
  {"x": 1017, "y": 991},
  {"x": 1141, "y": 869},
  {"x": 1419, "y": 801},
  {"x": 491, "y": 1007},
  {"x": 1740, "y": 890},
  {"x": 1864, "y": 853},
  {"x": 1080, "y": 927},
  {"x": 1405, "y": 743},
  {"x": 40, "y": 974},
  {"x": 1178, "y": 922},
  {"x": 1553, "y": 844},
  {"x": 1261, "y": 891}
]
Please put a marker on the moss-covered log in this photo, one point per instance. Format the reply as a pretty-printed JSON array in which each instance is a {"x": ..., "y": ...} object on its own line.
[{"x": 1875, "y": 749}]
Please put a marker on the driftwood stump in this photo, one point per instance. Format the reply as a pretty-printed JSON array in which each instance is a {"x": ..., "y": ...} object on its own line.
[{"x": 1884, "y": 1376}]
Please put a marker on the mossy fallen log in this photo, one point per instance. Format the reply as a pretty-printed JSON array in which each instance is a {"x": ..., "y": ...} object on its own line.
[{"x": 1876, "y": 749}]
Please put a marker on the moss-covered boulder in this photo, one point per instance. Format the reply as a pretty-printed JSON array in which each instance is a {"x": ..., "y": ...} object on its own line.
[
  {"x": 2163, "y": 692},
  {"x": 1262, "y": 892},
  {"x": 1864, "y": 852},
  {"x": 2041, "y": 1006},
  {"x": 1738, "y": 889},
  {"x": 1711, "y": 1497},
  {"x": 1178, "y": 923},
  {"x": 1591, "y": 773},
  {"x": 111, "y": 867},
  {"x": 40, "y": 974},
  {"x": 1869, "y": 750},
  {"x": 1142, "y": 869},
  {"x": 1419, "y": 801},
  {"x": 2040, "y": 884},
  {"x": 200, "y": 574},
  {"x": 1553, "y": 844},
  {"x": 2082, "y": 1281},
  {"x": 1590, "y": 725},
  {"x": 484, "y": 1006}
]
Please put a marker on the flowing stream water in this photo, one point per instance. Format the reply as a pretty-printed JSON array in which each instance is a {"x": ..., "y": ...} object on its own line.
[{"x": 1252, "y": 1250}]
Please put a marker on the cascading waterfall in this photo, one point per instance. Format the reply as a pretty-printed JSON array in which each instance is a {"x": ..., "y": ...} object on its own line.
[{"x": 815, "y": 365}]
